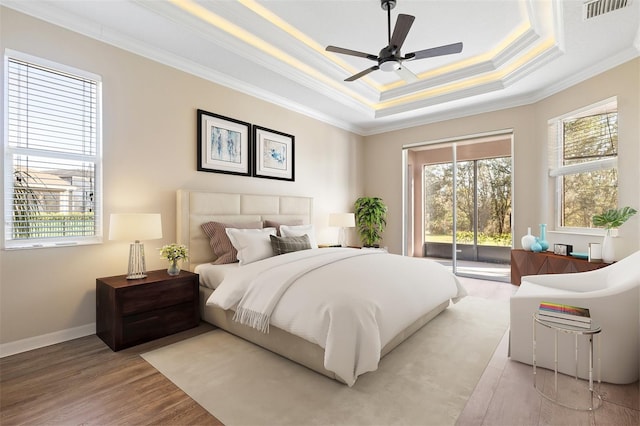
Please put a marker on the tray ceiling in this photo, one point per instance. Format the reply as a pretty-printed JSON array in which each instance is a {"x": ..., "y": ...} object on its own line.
[{"x": 515, "y": 52}]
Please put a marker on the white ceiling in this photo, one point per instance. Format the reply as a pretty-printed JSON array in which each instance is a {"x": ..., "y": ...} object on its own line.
[{"x": 515, "y": 51}]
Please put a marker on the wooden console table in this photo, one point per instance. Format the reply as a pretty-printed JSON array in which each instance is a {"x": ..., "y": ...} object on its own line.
[{"x": 525, "y": 262}]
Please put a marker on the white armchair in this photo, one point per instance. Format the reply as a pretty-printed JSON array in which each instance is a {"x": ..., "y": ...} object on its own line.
[{"x": 612, "y": 295}]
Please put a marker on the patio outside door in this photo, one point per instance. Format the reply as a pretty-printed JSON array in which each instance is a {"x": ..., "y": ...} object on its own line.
[{"x": 465, "y": 201}]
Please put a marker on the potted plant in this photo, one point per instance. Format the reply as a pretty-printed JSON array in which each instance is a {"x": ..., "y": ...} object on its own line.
[
  {"x": 371, "y": 219},
  {"x": 612, "y": 218}
]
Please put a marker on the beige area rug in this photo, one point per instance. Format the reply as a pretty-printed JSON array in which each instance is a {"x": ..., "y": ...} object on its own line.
[{"x": 425, "y": 381}]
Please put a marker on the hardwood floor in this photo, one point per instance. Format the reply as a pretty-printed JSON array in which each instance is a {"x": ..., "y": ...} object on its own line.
[
  {"x": 83, "y": 382},
  {"x": 505, "y": 394}
]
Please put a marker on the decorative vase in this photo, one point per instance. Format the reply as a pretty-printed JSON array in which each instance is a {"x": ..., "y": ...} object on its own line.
[
  {"x": 543, "y": 237},
  {"x": 528, "y": 240},
  {"x": 173, "y": 269},
  {"x": 536, "y": 247},
  {"x": 608, "y": 253}
]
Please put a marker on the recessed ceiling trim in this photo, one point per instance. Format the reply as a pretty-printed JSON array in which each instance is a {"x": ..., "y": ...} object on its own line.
[
  {"x": 251, "y": 47},
  {"x": 522, "y": 43},
  {"x": 477, "y": 89},
  {"x": 247, "y": 45},
  {"x": 547, "y": 55},
  {"x": 439, "y": 80}
]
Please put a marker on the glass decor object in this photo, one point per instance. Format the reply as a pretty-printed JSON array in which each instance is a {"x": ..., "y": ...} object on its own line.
[
  {"x": 173, "y": 269},
  {"x": 543, "y": 237},
  {"x": 536, "y": 247},
  {"x": 528, "y": 240},
  {"x": 173, "y": 253}
]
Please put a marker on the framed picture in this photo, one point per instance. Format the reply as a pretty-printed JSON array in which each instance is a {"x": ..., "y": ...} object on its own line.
[
  {"x": 224, "y": 144},
  {"x": 274, "y": 154}
]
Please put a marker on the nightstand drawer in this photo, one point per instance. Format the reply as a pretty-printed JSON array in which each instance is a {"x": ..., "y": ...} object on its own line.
[
  {"x": 159, "y": 295},
  {"x": 150, "y": 325},
  {"x": 129, "y": 312}
]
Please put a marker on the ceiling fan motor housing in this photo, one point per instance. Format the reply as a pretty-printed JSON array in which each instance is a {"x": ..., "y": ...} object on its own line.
[
  {"x": 390, "y": 64},
  {"x": 387, "y": 4}
]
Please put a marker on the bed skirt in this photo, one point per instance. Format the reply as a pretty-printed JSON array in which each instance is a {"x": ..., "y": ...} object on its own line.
[{"x": 290, "y": 346}]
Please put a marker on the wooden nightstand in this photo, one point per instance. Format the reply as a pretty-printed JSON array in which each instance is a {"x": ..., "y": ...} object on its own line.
[{"x": 130, "y": 312}]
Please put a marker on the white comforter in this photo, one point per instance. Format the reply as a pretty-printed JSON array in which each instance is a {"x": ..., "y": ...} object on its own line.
[{"x": 349, "y": 302}]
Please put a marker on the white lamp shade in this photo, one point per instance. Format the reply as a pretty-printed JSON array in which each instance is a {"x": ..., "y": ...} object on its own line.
[
  {"x": 342, "y": 220},
  {"x": 135, "y": 226}
]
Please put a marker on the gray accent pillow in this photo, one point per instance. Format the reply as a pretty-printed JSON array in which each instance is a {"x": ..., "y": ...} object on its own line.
[{"x": 282, "y": 245}]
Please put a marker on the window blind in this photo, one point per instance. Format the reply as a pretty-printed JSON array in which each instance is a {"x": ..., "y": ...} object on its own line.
[
  {"x": 584, "y": 142},
  {"x": 51, "y": 155}
]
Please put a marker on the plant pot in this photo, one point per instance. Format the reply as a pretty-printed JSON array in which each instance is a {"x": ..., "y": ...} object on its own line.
[{"x": 608, "y": 252}]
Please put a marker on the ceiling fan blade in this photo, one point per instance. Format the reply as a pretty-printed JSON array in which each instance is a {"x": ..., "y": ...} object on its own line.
[
  {"x": 351, "y": 52},
  {"x": 406, "y": 74},
  {"x": 435, "y": 51},
  {"x": 362, "y": 73},
  {"x": 403, "y": 25}
]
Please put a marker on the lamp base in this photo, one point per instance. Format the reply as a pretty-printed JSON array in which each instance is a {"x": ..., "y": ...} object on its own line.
[
  {"x": 137, "y": 268},
  {"x": 136, "y": 276},
  {"x": 342, "y": 237}
]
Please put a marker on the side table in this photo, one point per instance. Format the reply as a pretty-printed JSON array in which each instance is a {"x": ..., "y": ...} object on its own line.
[
  {"x": 594, "y": 330},
  {"x": 130, "y": 312}
]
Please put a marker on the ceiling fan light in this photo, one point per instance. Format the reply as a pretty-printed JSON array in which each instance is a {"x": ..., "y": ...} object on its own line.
[{"x": 390, "y": 65}]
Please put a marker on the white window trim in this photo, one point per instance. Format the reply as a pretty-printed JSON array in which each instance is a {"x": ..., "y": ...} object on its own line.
[
  {"x": 6, "y": 154},
  {"x": 555, "y": 156}
]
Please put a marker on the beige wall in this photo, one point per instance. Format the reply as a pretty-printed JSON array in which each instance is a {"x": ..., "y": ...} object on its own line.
[
  {"x": 150, "y": 152},
  {"x": 533, "y": 196}
]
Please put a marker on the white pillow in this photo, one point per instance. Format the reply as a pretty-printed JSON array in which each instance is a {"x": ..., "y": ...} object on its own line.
[
  {"x": 298, "y": 231},
  {"x": 252, "y": 244}
]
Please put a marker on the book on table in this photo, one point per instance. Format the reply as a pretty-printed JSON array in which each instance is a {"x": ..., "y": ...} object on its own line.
[
  {"x": 564, "y": 321},
  {"x": 570, "y": 315}
]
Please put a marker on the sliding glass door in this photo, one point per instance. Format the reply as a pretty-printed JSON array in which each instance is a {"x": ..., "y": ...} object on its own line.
[{"x": 465, "y": 205}]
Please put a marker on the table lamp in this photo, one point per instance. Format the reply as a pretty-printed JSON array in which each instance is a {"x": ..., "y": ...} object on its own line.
[
  {"x": 135, "y": 227},
  {"x": 342, "y": 221}
]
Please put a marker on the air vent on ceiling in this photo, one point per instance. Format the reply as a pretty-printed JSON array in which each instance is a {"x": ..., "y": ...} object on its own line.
[{"x": 593, "y": 8}]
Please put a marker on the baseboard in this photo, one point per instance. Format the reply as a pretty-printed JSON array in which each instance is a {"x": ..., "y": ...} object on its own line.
[{"x": 24, "y": 345}]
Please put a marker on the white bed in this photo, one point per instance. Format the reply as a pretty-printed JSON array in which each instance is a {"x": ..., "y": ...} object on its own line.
[{"x": 302, "y": 325}]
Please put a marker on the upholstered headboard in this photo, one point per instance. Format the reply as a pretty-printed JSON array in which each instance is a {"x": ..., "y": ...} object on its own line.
[{"x": 197, "y": 207}]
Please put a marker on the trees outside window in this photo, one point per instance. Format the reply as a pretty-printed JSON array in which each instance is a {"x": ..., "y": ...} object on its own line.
[
  {"x": 483, "y": 202},
  {"x": 583, "y": 162}
]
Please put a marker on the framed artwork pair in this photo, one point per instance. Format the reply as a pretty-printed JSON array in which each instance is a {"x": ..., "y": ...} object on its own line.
[{"x": 227, "y": 145}]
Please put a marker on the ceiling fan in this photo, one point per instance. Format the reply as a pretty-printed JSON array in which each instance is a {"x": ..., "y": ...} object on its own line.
[{"x": 390, "y": 58}]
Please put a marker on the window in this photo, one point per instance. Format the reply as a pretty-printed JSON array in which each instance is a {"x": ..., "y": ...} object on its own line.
[
  {"x": 52, "y": 154},
  {"x": 583, "y": 162}
]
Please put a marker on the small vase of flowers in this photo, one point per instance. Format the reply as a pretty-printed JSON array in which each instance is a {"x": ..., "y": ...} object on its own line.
[{"x": 173, "y": 253}]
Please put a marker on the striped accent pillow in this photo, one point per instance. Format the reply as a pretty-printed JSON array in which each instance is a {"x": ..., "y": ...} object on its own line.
[
  {"x": 220, "y": 242},
  {"x": 282, "y": 245}
]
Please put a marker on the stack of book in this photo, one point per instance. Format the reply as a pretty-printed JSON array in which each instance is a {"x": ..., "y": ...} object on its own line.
[{"x": 564, "y": 314}]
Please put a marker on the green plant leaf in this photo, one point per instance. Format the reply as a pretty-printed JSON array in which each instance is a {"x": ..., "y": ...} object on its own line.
[
  {"x": 371, "y": 220},
  {"x": 613, "y": 218}
]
